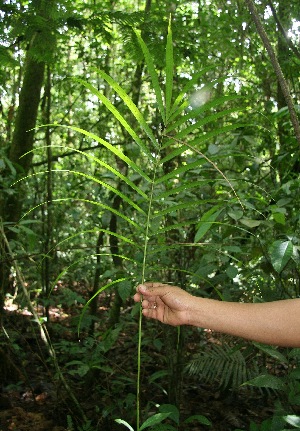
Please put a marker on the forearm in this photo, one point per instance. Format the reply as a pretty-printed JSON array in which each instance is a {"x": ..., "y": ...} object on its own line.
[{"x": 275, "y": 323}]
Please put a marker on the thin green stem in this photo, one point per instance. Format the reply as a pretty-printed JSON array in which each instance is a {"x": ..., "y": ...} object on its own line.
[{"x": 141, "y": 314}]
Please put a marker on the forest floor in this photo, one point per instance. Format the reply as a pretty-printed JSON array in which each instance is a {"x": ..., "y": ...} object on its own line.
[{"x": 32, "y": 398}]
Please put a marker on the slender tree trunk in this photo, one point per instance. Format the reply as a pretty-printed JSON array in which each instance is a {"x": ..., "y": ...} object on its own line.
[
  {"x": 22, "y": 140},
  {"x": 276, "y": 66},
  {"x": 48, "y": 243}
]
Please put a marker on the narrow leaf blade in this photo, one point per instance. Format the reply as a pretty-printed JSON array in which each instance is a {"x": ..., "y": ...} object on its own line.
[
  {"x": 169, "y": 70},
  {"x": 153, "y": 75}
]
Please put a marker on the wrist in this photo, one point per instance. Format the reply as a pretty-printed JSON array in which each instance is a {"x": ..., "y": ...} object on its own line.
[{"x": 199, "y": 312}]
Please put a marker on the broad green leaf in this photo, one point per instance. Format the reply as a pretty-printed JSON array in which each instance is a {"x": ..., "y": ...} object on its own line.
[
  {"x": 232, "y": 271},
  {"x": 199, "y": 418},
  {"x": 172, "y": 410},
  {"x": 266, "y": 381},
  {"x": 169, "y": 71},
  {"x": 206, "y": 222},
  {"x": 250, "y": 222},
  {"x": 153, "y": 75},
  {"x": 154, "y": 420},
  {"x": 271, "y": 351},
  {"x": 125, "y": 289},
  {"x": 280, "y": 253},
  {"x": 235, "y": 214},
  {"x": 279, "y": 217},
  {"x": 126, "y": 424}
]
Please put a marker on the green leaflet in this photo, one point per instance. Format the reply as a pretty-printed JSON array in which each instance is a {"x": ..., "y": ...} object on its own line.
[
  {"x": 106, "y": 207},
  {"x": 111, "y": 169},
  {"x": 183, "y": 187},
  {"x": 280, "y": 254},
  {"x": 113, "y": 149},
  {"x": 202, "y": 138},
  {"x": 153, "y": 75},
  {"x": 176, "y": 207},
  {"x": 116, "y": 113},
  {"x": 154, "y": 420},
  {"x": 169, "y": 71},
  {"x": 207, "y": 221},
  {"x": 272, "y": 351},
  {"x": 205, "y": 120},
  {"x": 266, "y": 381},
  {"x": 182, "y": 169},
  {"x": 194, "y": 113},
  {"x": 111, "y": 188},
  {"x": 177, "y": 108},
  {"x": 112, "y": 283}
]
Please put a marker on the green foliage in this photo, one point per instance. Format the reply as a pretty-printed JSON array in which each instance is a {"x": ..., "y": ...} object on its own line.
[
  {"x": 203, "y": 165},
  {"x": 228, "y": 366}
]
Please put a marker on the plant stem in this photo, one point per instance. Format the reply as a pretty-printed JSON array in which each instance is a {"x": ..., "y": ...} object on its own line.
[{"x": 138, "y": 384}]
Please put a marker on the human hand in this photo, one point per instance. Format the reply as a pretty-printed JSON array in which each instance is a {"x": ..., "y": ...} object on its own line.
[{"x": 168, "y": 304}]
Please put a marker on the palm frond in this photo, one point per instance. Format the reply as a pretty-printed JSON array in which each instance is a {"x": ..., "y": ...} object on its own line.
[
  {"x": 153, "y": 76},
  {"x": 117, "y": 114},
  {"x": 177, "y": 108}
]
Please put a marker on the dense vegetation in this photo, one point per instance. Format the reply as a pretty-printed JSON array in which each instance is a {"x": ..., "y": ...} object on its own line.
[{"x": 146, "y": 141}]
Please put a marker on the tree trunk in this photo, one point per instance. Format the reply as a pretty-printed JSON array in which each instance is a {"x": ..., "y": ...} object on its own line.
[{"x": 23, "y": 139}]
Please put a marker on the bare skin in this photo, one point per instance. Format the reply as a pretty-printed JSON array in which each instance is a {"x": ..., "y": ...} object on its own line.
[{"x": 276, "y": 323}]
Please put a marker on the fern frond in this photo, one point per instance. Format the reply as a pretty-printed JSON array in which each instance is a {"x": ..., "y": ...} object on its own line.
[{"x": 222, "y": 364}]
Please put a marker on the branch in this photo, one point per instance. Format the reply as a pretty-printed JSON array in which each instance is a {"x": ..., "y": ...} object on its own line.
[
  {"x": 282, "y": 30},
  {"x": 276, "y": 66}
]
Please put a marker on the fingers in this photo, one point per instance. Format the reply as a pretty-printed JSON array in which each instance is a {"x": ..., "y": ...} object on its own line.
[{"x": 150, "y": 288}]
